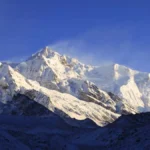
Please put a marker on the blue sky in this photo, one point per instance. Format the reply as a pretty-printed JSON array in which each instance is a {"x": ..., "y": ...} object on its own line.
[{"x": 95, "y": 31}]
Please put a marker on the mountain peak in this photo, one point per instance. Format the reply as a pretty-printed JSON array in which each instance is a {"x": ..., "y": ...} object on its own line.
[{"x": 48, "y": 52}]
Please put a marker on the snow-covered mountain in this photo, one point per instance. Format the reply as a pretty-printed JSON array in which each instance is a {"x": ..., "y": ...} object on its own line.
[
  {"x": 52, "y": 101},
  {"x": 59, "y": 72},
  {"x": 72, "y": 89},
  {"x": 13, "y": 83}
]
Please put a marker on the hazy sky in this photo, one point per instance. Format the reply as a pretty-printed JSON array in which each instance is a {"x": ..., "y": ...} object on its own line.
[{"x": 95, "y": 31}]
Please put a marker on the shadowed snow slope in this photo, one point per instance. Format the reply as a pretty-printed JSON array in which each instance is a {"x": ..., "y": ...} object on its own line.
[{"x": 128, "y": 132}]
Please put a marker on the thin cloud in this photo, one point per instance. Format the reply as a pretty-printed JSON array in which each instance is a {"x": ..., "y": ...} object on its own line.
[
  {"x": 16, "y": 59},
  {"x": 96, "y": 46},
  {"x": 103, "y": 46}
]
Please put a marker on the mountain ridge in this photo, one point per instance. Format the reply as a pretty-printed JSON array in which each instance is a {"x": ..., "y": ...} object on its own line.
[
  {"x": 114, "y": 89},
  {"x": 113, "y": 78}
]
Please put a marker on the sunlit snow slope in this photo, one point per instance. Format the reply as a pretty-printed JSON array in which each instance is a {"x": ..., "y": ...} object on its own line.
[{"x": 59, "y": 72}]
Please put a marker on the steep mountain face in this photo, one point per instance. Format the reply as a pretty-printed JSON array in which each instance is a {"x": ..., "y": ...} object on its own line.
[
  {"x": 68, "y": 75},
  {"x": 75, "y": 90},
  {"x": 49, "y": 68},
  {"x": 65, "y": 105},
  {"x": 125, "y": 82}
]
